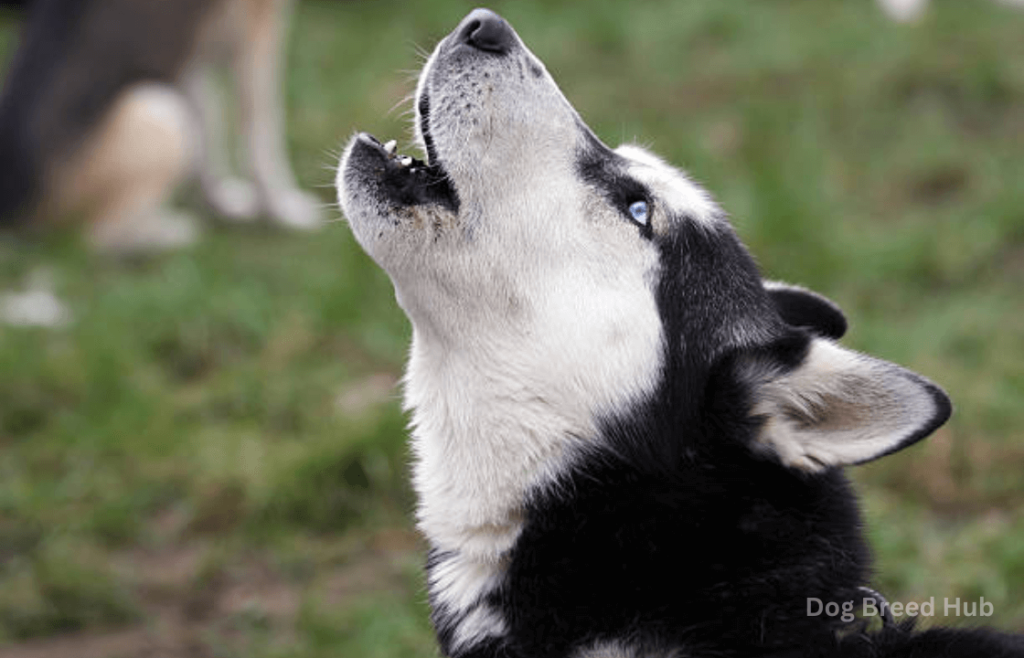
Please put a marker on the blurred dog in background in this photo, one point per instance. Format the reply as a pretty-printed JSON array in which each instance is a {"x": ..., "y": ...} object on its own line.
[{"x": 109, "y": 104}]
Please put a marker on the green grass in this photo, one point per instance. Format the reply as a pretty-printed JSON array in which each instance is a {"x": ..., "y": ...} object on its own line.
[{"x": 214, "y": 443}]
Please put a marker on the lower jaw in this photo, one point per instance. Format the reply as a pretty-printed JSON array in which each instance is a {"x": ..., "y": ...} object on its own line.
[{"x": 408, "y": 181}]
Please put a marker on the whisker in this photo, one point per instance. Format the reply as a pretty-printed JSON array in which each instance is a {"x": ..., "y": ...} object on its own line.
[
  {"x": 420, "y": 52},
  {"x": 408, "y": 98}
]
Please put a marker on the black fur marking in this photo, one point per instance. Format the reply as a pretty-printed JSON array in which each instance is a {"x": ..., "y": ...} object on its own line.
[{"x": 601, "y": 167}]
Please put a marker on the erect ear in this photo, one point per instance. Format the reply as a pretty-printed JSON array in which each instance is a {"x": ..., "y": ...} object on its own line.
[
  {"x": 801, "y": 307},
  {"x": 836, "y": 407}
]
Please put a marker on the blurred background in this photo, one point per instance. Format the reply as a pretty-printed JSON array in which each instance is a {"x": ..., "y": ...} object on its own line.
[{"x": 209, "y": 459}]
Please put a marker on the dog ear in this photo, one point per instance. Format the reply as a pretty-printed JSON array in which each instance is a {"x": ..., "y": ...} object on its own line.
[
  {"x": 836, "y": 407},
  {"x": 801, "y": 307}
]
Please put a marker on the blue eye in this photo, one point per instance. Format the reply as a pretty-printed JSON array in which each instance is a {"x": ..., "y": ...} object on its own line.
[{"x": 639, "y": 212}]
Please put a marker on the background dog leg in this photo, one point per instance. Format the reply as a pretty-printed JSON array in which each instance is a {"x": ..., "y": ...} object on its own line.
[
  {"x": 121, "y": 178},
  {"x": 258, "y": 71},
  {"x": 229, "y": 197}
]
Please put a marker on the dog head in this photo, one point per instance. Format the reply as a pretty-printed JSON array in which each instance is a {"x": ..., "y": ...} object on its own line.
[{"x": 575, "y": 282}]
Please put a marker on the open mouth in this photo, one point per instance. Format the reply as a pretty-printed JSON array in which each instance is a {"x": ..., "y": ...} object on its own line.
[{"x": 403, "y": 179}]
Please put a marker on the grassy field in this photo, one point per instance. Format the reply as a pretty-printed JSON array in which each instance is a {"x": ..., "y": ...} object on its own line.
[{"x": 209, "y": 460}]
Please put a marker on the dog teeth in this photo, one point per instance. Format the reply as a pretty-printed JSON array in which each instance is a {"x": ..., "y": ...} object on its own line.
[
  {"x": 390, "y": 146},
  {"x": 405, "y": 161}
]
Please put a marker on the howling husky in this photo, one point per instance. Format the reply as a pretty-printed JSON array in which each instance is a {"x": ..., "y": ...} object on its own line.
[
  {"x": 626, "y": 444},
  {"x": 108, "y": 101}
]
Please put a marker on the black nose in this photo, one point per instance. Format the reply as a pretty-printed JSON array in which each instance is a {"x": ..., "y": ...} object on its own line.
[{"x": 485, "y": 30}]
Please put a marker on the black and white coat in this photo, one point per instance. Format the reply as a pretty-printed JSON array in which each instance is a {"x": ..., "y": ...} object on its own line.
[{"x": 627, "y": 445}]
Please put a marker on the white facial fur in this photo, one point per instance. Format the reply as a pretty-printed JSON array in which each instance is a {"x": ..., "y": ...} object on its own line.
[
  {"x": 533, "y": 306},
  {"x": 676, "y": 193}
]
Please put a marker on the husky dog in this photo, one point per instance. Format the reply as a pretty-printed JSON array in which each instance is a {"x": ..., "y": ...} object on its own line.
[
  {"x": 626, "y": 444},
  {"x": 107, "y": 101}
]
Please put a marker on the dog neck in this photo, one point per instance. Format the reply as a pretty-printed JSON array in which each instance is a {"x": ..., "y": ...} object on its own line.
[
  {"x": 483, "y": 439},
  {"x": 481, "y": 442},
  {"x": 502, "y": 404}
]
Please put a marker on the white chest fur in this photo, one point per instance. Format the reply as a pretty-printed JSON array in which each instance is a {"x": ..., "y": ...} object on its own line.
[{"x": 504, "y": 412}]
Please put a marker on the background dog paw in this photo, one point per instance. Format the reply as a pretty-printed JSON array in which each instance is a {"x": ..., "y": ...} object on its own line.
[
  {"x": 233, "y": 199},
  {"x": 294, "y": 209}
]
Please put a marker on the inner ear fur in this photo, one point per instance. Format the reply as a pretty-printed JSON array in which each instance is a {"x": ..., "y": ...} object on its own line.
[
  {"x": 800, "y": 307},
  {"x": 837, "y": 407}
]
